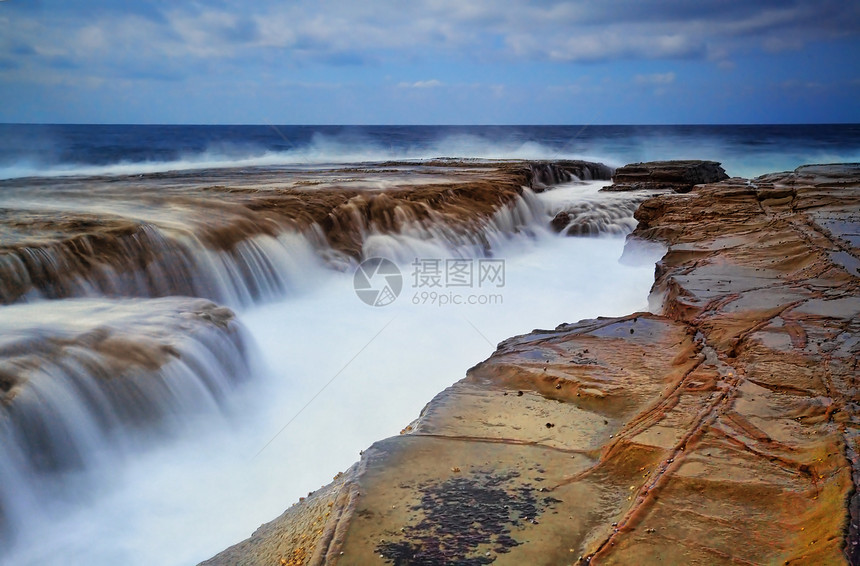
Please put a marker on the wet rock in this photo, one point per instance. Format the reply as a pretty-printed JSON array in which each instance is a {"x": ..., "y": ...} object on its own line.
[
  {"x": 723, "y": 430},
  {"x": 111, "y": 364},
  {"x": 677, "y": 176},
  {"x": 55, "y": 252},
  {"x": 560, "y": 221},
  {"x": 458, "y": 516}
]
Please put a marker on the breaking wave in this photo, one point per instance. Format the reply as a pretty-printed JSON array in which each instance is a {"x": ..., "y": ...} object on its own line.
[{"x": 745, "y": 151}]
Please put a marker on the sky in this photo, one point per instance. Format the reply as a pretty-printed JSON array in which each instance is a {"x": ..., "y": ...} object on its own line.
[{"x": 430, "y": 61}]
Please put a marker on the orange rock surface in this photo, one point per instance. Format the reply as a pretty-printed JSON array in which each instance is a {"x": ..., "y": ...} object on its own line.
[{"x": 719, "y": 429}]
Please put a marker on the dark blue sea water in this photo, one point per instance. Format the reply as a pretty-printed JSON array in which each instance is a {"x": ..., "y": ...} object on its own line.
[{"x": 27, "y": 150}]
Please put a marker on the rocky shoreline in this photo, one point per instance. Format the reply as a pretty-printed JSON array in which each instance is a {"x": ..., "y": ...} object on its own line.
[
  {"x": 722, "y": 427},
  {"x": 148, "y": 242}
]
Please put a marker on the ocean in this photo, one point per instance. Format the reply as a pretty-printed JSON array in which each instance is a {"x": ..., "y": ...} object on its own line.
[
  {"x": 143, "y": 423},
  {"x": 744, "y": 150}
]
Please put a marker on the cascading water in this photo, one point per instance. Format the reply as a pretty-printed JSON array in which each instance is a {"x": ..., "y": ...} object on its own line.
[
  {"x": 208, "y": 211},
  {"x": 182, "y": 242},
  {"x": 87, "y": 381},
  {"x": 582, "y": 210},
  {"x": 115, "y": 409},
  {"x": 153, "y": 263},
  {"x": 522, "y": 216}
]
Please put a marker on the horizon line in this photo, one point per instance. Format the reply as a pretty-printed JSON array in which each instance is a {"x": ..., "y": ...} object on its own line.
[{"x": 405, "y": 125}]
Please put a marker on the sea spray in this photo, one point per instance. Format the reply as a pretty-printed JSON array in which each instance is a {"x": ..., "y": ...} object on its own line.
[{"x": 744, "y": 150}]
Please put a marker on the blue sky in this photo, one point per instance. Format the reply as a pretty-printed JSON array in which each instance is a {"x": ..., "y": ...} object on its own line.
[{"x": 430, "y": 61}]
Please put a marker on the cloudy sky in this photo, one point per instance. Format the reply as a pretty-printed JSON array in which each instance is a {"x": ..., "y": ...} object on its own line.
[{"x": 430, "y": 61}]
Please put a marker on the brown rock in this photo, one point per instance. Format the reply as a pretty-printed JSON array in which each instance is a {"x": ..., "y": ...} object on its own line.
[
  {"x": 303, "y": 534},
  {"x": 677, "y": 176},
  {"x": 560, "y": 221},
  {"x": 722, "y": 430},
  {"x": 138, "y": 250}
]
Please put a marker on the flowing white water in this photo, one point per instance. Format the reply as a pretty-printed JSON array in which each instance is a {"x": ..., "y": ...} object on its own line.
[
  {"x": 95, "y": 383},
  {"x": 339, "y": 374},
  {"x": 260, "y": 268}
]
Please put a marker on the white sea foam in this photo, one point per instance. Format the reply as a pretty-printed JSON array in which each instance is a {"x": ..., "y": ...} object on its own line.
[
  {"x": 322, "y": 150},
  {"x": 339, "y": 375},
  {"x": 188, "y": 499},
  {"x": 334, "y": 149}
]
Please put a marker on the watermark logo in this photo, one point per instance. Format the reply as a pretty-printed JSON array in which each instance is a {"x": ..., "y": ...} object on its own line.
[
  {"x": 432, "y": 273},
  {"x": 435, "y": 281},
  {"x": 377, "y": 281}
]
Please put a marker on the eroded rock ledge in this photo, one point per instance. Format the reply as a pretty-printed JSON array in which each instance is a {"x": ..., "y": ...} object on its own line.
[
  {"x": 148, "y": 239},
  {"x": 679, "y": 176},
  {"x": 720, "y": 430}
]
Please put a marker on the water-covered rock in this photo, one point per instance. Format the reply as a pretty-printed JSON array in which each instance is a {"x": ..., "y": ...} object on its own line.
[
  {"x": 243, "y": 237},
  {"x": 82, "y": 381}
]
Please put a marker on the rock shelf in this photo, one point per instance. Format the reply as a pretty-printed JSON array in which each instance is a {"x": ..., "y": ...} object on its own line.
[{"x": 720, "y": 428}]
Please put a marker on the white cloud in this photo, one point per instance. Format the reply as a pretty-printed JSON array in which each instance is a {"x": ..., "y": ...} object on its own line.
[
  {"x": 305, "y": 32},
  {"x": 421, "y": 84}
]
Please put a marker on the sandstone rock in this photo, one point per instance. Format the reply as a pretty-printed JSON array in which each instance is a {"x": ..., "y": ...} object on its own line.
[
  {"x": 146, "y": 251},
  {"x": 560, "y": 221},
  {"x": 721, "y": 429},
  {"x": 306, "y": 533},
  {"x": 677, "y": 176}
]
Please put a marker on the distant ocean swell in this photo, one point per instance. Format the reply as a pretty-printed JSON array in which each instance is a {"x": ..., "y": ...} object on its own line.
[{"x": 45, "y": 150}]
